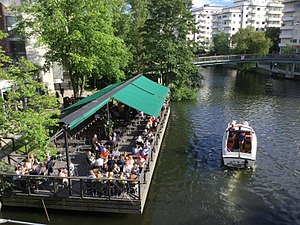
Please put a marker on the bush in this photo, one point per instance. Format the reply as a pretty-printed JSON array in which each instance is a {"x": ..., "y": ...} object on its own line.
[{"x": 183, "y": 93}]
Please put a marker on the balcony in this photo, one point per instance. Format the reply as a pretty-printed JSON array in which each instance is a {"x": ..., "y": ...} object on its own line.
[
  {"x": 269, "y": 18},
  {"x": 289, "y": 1},
  {"x": 285, "y": 36},
  {"x": 289, "y": 10},
  {"x": 287, "y": 28},
  {"x": 287, "y": 18},
  {"x": 274, "y": 12},
  {"x": 227, "y": 25}
]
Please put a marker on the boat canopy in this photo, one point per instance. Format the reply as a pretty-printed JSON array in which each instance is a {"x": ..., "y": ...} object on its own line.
[{"x": 139, "y": 92}]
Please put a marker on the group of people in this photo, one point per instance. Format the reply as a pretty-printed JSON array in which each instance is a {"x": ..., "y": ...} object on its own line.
[
  {"x": 105, "y": 159},
  {"x": 241, "y": 136},
  {"x": 31, "y": 166}
]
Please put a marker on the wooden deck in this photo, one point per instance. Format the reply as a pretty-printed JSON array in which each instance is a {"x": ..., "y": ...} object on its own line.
[{"x": 84, "y": 194}]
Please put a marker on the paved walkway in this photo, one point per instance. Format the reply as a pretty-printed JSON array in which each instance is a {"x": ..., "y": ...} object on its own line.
[{"x": 276, "y": 70}]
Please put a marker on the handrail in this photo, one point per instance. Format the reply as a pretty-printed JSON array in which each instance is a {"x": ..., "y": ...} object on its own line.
[
  {"x": 81, "y": 187},
  {"x": 246, "y": 57}
]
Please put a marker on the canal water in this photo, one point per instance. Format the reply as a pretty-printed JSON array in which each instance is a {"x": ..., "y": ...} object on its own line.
[{"x": 190, "y": 186}]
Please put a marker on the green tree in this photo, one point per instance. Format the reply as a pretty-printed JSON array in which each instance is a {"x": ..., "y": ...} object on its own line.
[
  {"x": 248, "y": 41},
  {"x": 221, "y": 43},
  {"x": 273, "y": 33},
  {"x": 79, "y": 34},
  {"x": 168, "y": 50},
  {"x": 288, "y": 49},
  {"x": 135, "y": 39},
  {"x": 26, "y": 109}
]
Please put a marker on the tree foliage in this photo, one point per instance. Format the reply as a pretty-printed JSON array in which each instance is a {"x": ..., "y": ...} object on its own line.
[
  {"x": 273, "y": 33},
  {"x": 168, "y": 50},
  {"x": 137, "y": 15},
  {"x": 26, "y": 109},
  {"x": 80, "y": 35},
  {"x": 288, "y": 49},
  {"x": 248, "y": 41},
  {"x": 221, "y": 43}
]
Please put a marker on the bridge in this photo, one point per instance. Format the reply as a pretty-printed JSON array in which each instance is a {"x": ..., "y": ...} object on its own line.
[
  {"x": 292, "y": 62},
  {"x": 233, "y": 59}
]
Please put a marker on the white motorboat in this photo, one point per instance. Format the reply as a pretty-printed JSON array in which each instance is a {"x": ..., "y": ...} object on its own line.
[{"x": 239, "y": 145}]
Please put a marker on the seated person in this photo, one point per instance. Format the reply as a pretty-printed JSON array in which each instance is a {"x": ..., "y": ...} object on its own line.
[
  {"x": 150, "y": 137},
  {"x": 105, "y": 155},
  {"x": 111, "y": 143},
  {"x": 90, "y": 157},
  {"x": 147, "y": 144},
  {"x": 144, "y": 154},
  {"x": 116, "y": 153},
  {"x": 99, "y": 162},
  {"x": 121, "y": 162},
  {"x": 136, "y": 150},
  {"x": 116, "y": 169},
  {"x": 110, "y": 163},
  {"x": 140, "y": 141}
]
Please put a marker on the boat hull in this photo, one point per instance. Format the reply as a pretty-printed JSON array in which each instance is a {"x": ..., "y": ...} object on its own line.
[
  {"x": 239, "y": 162},
  {"x": 233, "y": 154}
]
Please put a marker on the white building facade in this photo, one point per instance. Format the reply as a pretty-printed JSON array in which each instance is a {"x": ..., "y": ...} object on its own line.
[
  {"x": 16, "y": 46},
  {"x": 203, "y": 20},
  {"x": 259, "y": 14},
  {"x": 290, "y": 30}
]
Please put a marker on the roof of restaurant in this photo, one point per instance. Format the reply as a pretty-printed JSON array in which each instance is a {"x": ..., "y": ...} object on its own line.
[{"x": 139, "y": 92}]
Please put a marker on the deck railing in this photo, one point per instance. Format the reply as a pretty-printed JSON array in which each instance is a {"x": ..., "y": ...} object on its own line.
[{"x": 65, "y": 187}]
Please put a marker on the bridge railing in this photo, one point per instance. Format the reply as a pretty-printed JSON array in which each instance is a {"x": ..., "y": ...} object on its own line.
[{"x": 246, "y": 57}]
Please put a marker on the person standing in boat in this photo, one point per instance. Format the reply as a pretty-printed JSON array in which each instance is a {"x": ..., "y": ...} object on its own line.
[
  {"x": 242, "y": 137},
  {"x": 231, "y": 131}
]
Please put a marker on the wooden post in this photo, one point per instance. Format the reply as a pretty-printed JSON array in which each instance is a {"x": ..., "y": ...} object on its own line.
[{"x": 67, "y": 156}]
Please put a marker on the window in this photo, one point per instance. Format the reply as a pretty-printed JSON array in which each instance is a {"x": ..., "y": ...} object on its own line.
[
  {"x": 258, "y": 9},
  {"x": 262, "y": 29},
  {"x": 17, "y": 49},
  {"x": 233, "y": 15},
  {"x": 233, "y": 29},
  {"x": 294, "y": 41},
  {"x": 256, "y": 29},
  {"x": 262, "y": 22},
  {"x": 246, "y": 15}
]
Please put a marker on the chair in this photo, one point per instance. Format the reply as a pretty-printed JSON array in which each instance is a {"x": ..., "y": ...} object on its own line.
[{"x": 230, "y": 143}]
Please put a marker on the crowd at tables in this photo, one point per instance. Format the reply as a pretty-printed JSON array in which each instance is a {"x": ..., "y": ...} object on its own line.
[{"x": 104, "y": 159}]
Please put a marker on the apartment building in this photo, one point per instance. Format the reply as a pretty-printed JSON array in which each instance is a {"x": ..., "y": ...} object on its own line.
[
  {"x": 290, "y": 30},
  {"x": 203, "y": 20},
  {"x": 17, "y": 46},
  {"x": 259, "y": 14}
]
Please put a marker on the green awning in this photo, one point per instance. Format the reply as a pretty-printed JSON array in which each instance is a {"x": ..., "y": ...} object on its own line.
[
  {"x": 152, "y": 87},
  {"x": 138, "y": 92},
  {"x": 140, "y": 99},
  {"x": 94, "y": 96},
  {"x": 87, "y": 114}
]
